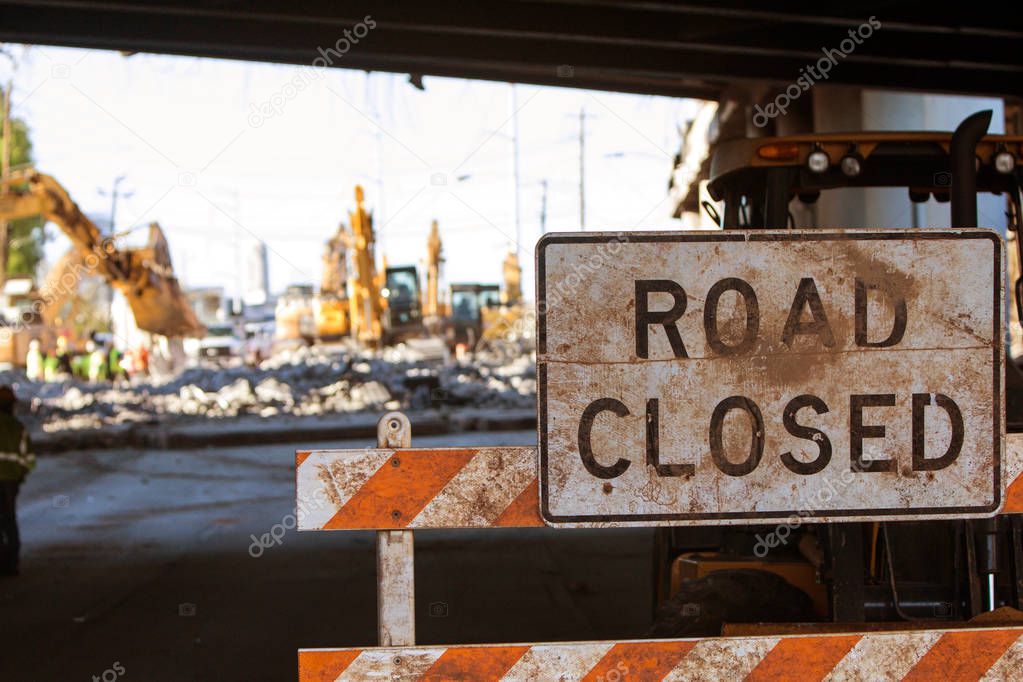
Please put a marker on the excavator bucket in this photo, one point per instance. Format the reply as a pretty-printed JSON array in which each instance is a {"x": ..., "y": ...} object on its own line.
[
  {"x": 160, "y": 307},
  {"x": 154, "y": 293}
]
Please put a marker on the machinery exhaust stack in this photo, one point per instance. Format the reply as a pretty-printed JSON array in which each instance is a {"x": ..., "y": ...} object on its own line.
[{"x": 962, "y": 153}]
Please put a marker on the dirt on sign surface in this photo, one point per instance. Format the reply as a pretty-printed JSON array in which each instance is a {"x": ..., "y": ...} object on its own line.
[{"x": 726, "y": 376}]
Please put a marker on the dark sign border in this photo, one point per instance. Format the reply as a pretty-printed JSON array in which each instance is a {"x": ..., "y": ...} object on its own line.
[{"x": 741, "y": 236}]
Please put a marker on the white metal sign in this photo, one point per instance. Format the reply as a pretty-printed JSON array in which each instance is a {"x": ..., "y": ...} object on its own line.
[{"x": 737, "y": 377}]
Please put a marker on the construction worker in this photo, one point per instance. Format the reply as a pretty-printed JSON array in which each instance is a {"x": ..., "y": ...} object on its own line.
[
  {"x": 34, "y": 361},
  {"x": 142, "y": 361},
  {"x": 115, "y": 365},
  {"x": 16, "y": 460},
  {"x": 49, "y": 367},
  {"x": 63, "y": 359},
  {"x": 97, "y": 362}
]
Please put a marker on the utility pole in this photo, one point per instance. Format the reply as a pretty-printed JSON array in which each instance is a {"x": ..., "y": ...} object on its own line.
[
  {"x": 543, "y": 207},
  {"x": 5, "y": 169},
  {"x": 582, "y": 168},
  {"x": 371, "y": 102},
  {"x": 239, "y": 286},
  {"x": 7, "y": 130},
  {"x": 106, "y": 292},
  {"x": 113, "y": 203},
  {"x": 115, "y": 192},
  {"x": 515, "y": 164}
]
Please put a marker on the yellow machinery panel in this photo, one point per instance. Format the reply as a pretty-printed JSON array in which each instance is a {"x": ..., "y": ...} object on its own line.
[{"x": 801, "y": 574}]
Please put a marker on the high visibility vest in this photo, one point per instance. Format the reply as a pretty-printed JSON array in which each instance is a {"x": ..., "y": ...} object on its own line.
[{"x": 16, "y": 456}]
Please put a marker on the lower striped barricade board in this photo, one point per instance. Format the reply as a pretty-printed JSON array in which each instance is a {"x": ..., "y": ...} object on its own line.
[{"x": 954, "y": 655}]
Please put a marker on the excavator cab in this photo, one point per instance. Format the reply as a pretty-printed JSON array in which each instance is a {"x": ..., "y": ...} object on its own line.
[
  {"x": 468, "y": 302},
  {"x": 404, "y": 313}
]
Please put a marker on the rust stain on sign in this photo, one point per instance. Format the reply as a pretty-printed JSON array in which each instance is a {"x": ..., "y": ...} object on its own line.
[{"x": 718, "y": 377}]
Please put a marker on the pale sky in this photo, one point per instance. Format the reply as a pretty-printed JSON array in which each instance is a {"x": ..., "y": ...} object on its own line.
[{"x": 219, "y": 172}]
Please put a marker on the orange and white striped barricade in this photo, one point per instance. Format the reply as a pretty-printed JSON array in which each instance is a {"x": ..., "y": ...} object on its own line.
[{"x": 395, "y": 489}]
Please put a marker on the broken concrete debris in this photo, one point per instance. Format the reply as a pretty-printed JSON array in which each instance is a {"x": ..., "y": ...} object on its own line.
[{"x": 299, "y": 382}]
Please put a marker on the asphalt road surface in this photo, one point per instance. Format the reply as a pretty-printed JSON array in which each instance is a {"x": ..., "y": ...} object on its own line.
[{"x": 138, "y": 565}]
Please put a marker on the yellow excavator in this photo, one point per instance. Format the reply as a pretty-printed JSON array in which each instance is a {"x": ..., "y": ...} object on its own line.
[
  {"x": 59, "y": 287},
  {"x": 388, "y": 305},
  {"x": 433, "y": 308},
  {"x": 378, "y": 307},
  {"x": 366, "y": 305},
  {"x": 373, "y": 306},
  {"x": 330, "y": 307},
  {"x": 488, "y": 314},
  {"x": 505, "y": 327},
  {"x": 144, "y": 275}
]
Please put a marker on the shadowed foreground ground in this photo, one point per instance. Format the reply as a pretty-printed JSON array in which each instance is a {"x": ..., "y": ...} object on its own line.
[{"x": 141, "y": 558}]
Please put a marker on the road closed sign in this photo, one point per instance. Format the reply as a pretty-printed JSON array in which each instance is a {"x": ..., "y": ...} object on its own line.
[{"x": 748, "y": 377}]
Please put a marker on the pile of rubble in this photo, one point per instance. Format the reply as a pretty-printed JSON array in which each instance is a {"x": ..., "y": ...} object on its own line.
[{"x": 301, "y": 382}]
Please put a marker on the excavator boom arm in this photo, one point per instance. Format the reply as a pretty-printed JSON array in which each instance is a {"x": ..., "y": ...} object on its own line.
[
  {"x": 146, "y": 280},
  {"x": 14, "y": 206}
]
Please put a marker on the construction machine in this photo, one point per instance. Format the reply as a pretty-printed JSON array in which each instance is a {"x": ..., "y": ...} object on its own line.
[
  {"x": 488, "y": 314},
  {"x": 330, "y": 306},
  {"x": 365, "y": 303},
  {"x": 144, "y": 275},
  {"x": 432, "y": 307},
  {"x": 295, "y": 316},
  {"x": 507, "y": 328},
  {"x": 385, "y": 306},
  {"x": 24, "y": 314},
  {"x": 470, "y": 302},
  {"x": 52, "y": 309},
  {"x": 58, "y": 300},
  {"x": 375, "y": 307},
  {"x": 55, "y": 292},
  {"x": 512, "y": 294},
  {"x": 922, "y": 571},
  {"x": 303, "y": 315},
  {"x": 403, "y": 312}
]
